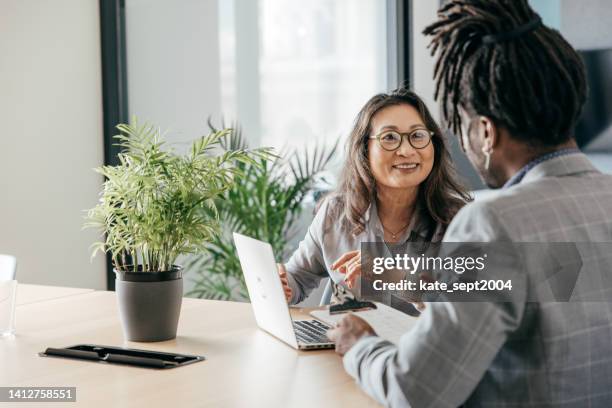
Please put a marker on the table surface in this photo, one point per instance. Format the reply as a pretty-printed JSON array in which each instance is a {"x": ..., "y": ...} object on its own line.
[
  {"x": 244, "y": 366},
  {"x": 27, "y": 293}
]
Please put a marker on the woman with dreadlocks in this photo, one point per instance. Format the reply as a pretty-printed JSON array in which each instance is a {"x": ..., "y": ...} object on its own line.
[{"x": 512, "y": 89}]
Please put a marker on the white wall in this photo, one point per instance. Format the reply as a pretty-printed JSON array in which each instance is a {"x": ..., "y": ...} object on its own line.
[
  {"x": 50, "y": 138},
  {"x": 173, "y": 65}
]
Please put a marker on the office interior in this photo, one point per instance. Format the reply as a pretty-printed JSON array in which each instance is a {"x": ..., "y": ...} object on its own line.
[{"x": 292, "y": 74}]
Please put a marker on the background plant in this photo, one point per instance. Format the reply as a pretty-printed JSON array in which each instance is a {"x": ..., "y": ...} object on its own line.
[
  {"x": 265, "y": 205},
  {"x": 156, "y": 204}
]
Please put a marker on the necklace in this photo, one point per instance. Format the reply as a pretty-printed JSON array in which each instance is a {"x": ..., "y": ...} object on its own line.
[{"x": 395, "y": 234}]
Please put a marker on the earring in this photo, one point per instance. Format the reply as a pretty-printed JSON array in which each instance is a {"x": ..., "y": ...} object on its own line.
[{"x": 487, "y": 154}]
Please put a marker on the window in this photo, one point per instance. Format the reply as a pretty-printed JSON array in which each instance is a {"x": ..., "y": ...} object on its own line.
[{"x": 290, "y": 72}]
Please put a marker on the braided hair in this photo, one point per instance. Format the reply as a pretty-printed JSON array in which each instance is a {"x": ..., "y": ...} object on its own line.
[{"x": 531, "y": 82}]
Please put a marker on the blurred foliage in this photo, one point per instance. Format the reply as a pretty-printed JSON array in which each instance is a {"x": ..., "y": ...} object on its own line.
[{"x": 265, "y": 205}]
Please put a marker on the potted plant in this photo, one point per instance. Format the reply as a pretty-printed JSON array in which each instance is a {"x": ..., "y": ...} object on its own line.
[{"x": 156, "y": 205}]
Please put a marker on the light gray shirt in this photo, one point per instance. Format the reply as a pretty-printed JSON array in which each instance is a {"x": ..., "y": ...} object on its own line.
[
  {"x": 512, "y": 354},
  {"x": 327, "y": 240}
]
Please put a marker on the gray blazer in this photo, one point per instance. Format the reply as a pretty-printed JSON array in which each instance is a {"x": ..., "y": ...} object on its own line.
[
  {"x": 327, "y": 240},
  {"x": 513, "y": 354}
]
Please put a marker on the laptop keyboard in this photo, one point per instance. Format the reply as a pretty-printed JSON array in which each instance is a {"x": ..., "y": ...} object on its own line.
[{"x": 311, "y": 331}]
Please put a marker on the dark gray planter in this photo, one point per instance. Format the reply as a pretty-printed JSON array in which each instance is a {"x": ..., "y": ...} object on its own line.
[{"x": 149, "y": 304}]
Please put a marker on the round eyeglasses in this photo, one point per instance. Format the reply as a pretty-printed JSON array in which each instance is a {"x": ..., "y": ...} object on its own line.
[{"x": 391, "y": 140}]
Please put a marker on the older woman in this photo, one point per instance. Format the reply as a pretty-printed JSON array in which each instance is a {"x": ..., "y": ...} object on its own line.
[{"x": 398, "y": 185}]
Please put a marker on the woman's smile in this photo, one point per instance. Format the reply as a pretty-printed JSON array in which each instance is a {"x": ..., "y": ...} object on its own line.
[{"x": 406, "y": 167}]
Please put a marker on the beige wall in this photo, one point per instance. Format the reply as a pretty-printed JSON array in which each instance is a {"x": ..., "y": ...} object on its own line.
[{"x": 50, "y": 138}]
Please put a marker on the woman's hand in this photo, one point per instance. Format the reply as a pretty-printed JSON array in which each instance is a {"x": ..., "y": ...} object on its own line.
[
  {"x": 350, "y": 265},
  {"x": 285, "y": 281}
]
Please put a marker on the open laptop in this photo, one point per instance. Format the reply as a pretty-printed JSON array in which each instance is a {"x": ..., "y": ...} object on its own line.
[{"x": 268, "y": 298}]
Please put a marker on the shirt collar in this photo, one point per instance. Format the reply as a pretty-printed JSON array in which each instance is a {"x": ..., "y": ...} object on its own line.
[{"x": 518, "y": 177}]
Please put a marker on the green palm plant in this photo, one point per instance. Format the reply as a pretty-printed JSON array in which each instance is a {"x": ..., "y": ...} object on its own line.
[
  {"x": 156, "y": 204},
  {"x": 265, "y": 205}
]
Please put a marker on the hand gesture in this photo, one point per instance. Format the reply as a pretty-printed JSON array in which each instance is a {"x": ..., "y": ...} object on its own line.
[{"x": 350, "y": 265}]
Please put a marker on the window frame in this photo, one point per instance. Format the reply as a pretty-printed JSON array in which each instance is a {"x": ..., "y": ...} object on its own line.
[{"x": 114, "y": 88}]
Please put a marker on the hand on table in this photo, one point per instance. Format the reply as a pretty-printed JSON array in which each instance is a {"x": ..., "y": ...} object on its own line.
[{"x": 348, "y": 331}]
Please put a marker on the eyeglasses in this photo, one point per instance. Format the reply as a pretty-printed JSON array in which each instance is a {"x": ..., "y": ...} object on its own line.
[{"x": 391, "y": 140}]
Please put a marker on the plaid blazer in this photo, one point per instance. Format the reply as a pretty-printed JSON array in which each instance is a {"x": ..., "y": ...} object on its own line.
[{"x": 511, "y": 354}]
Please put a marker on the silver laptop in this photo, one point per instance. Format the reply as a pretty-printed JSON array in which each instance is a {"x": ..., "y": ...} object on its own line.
[{"x": 268, "y": 298}]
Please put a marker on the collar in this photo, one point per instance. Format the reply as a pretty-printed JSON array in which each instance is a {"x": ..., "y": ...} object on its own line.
[{"x": 557, "y": 166}]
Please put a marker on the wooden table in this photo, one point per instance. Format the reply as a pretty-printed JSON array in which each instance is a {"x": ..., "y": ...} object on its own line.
[
  {"x": 245, "y": 367},
  {"x": 27, "y": 293}
]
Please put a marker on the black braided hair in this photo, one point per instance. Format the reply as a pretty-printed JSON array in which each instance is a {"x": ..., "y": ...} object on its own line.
[{"x": 533, "y": 85}]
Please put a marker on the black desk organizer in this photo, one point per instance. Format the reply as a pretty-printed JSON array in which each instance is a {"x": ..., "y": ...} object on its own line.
[
  {"x": 118, "y": 355},
  {"x": 351, "y": 305}
]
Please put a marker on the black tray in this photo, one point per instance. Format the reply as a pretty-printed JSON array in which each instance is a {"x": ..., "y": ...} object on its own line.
[{"x": 118, "y": 355}]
